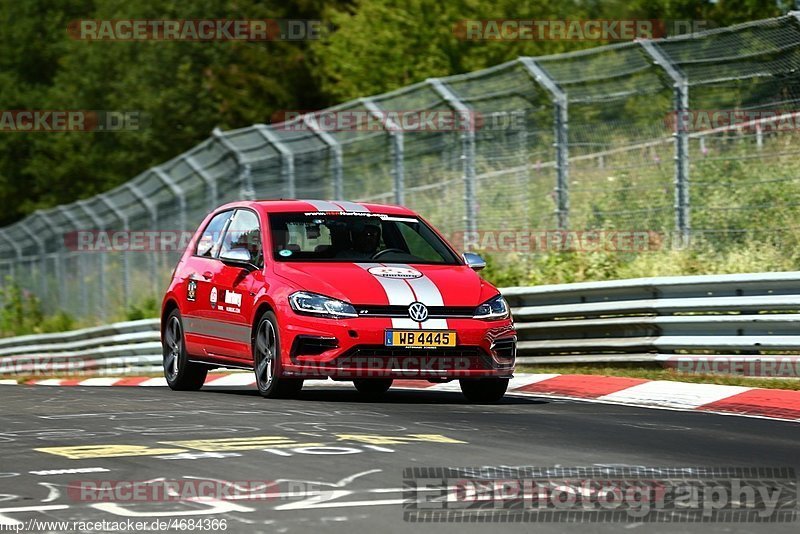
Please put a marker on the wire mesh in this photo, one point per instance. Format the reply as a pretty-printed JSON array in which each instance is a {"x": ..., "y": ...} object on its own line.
[{"x": 618, "y": 132}]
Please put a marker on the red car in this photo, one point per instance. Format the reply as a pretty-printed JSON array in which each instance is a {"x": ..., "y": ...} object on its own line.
[{"x": 302, "y": 289}]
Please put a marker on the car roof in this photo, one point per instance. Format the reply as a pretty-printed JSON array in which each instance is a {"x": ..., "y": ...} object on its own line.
[{"x": 302, "y": 206}]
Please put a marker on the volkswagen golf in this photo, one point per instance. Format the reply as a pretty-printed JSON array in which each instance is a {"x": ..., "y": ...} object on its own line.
[{"x": 309, "y": 289}]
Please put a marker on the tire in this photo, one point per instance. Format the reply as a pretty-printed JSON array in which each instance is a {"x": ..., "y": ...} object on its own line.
[
  {"x": 372, "y": 387},
  {"x": 267, "y": 361},
  {"x": 181, "y": 374},
  {"x": 484, "y": 390}
]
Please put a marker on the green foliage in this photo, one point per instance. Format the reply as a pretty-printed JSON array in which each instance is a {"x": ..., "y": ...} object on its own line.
[
  {"x": 186, "y": 88},
  {"x": 22, "y": 313},
  {"x": 144, "y": 309}
]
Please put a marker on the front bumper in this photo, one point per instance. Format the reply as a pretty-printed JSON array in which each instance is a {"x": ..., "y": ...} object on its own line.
[{"x": 354, "y": 348}]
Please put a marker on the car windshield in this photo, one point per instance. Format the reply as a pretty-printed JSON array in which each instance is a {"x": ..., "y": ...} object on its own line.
[{"x": 357, "y": 237}]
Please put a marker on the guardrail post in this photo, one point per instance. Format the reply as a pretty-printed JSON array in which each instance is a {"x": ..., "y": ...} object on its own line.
[
  {"x": 151, "y": 208},
  {"x": 126, "y": 270},
  {"x": 245, "y": 177},
  {"x": 76, "y": 225},
  {"x": 287, "y": 159},
  {"x": 398, "y": 149},
  {"x": 101, "y": 255},
  {"x": 681, "y": 134},
  {"x": 59, "y": 256},
  {"x": 336, "y": 161},
  {"x": 467, "y": 158},
  {"x": 211, "y": 182},
  {"x": 43, "y": 252},
  {"x": 561, "y": 135}
]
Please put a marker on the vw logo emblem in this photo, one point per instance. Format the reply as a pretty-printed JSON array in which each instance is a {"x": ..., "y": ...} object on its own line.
[{"x": 418, "y": 312}]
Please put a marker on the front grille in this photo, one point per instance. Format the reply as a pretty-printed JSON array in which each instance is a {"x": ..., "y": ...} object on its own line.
[{"x": 437, "y": 312}]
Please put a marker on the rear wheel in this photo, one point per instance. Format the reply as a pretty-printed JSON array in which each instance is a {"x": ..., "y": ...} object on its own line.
[
  {"x": 372, "y": 387},
  {"x": 484, "y": 390},
  {"x": 267, "y": 361},
  {"x": 181, "y": 374}
]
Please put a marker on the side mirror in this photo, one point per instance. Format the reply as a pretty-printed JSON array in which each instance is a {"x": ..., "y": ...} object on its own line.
[
  {"x": 239, "y": 257},
  {"x": 474, "y": 261}
]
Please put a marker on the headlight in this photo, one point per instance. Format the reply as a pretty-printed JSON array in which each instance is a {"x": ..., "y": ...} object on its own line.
[
  {"x": 494, "y": 308},
  {"x": 313, "y": 304}
]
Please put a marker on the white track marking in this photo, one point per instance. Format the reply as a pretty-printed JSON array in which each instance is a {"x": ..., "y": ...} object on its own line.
[
  {"x": 103, "y": 381},
  {"x": 673, "y": 394},
  {"x": 235, "y": 379}
]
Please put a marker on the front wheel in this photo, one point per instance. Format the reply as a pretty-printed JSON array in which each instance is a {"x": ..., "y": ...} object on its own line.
[
  {"x": 372, "y": 387},
  {"x": 181, "y": 374},
  {"x": 484, "y": 390},
  {"x": 267, "y": 361}
]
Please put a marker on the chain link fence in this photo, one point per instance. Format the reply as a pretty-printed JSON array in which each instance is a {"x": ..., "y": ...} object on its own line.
[{"x": 605, "y": 138}]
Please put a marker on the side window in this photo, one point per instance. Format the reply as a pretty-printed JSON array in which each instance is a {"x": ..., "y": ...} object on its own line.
[
  {"x": 208, "y": 245},
  {"x": 417, "y": 245},
  {"x": 244, "y": 232}
]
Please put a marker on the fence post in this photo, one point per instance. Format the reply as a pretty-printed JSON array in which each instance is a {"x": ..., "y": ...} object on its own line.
[
  {"x": 126, "y": 271},
  {"x": 245, "y": 177},
  {"x": 287, "y": 159},
  {"x": 210, "y": 181},
  {"x": 336, "y": 150},
  {"x": 467, "y": 157},
  {"x": 681, "y": 134},
  {"x": 561, "y": 135},
  {"x": 59, "y": 256},
  {"x": 150, "y": 206},
  {"x": 101, "y": 256},
  {"x": 42, "y": 252},
  {"x": 398, "y": 149},
  {"x": 16, "y": 248},
  {"x": 76, "y": 225}
]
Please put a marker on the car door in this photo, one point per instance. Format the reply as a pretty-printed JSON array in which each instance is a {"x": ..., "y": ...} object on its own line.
[
  {"x": 236, "y": 284},
  {"x": 197, "y": 274}
]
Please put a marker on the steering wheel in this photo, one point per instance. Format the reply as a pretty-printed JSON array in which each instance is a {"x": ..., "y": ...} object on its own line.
[{"x": 384, "y": 251}]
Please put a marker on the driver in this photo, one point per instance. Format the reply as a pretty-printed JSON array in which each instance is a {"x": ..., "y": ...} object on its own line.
[{"x": 366, "y": 241}]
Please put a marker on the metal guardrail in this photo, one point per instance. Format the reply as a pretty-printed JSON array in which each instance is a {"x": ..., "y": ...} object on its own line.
[{"x": 636, "y": 320}]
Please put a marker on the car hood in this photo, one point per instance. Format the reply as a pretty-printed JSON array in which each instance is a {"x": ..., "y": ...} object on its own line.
[{"x": 384, "y": 284}]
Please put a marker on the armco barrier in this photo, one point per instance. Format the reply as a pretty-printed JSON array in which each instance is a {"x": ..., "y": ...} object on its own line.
[{"x": 637, "y": 320}]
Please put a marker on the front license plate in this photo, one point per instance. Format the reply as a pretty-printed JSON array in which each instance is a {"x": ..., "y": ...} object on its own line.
[{"x": 420, "y": 338}]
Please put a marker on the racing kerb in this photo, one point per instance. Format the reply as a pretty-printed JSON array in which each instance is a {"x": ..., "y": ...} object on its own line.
[{"x": 636, "y": 320}]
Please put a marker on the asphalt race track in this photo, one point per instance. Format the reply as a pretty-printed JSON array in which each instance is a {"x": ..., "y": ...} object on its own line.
[{"x": 329, "y": 442}]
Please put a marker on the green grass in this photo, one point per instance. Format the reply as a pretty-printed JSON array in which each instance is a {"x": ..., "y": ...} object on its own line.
[{"x": 653, "y": 372}]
